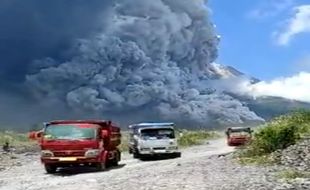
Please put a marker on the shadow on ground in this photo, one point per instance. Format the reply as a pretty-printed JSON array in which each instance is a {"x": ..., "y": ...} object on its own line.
[
  {"x": 69, "y": 171},
  {"x": 157, "y": 158}
]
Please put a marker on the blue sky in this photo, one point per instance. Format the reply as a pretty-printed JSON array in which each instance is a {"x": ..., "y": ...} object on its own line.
[{"x": 254, "y": 36}]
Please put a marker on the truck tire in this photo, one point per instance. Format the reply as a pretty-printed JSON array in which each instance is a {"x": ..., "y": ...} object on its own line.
[
  {"x": 130, "y": 151},
  {"x": 101, "y": 166},
  {"x": 175, "y": 155},
  {"x": 178, "y": 154},
  {"x": 136, "y": 154},
  {"x": 115, "y": 160},
  {"x": 50, "y": 168},
  {"x": 103, "y": 163},
  {"x": 230, "y": 144}
]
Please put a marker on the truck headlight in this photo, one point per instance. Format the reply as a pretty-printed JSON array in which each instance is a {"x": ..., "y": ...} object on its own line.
[
  {"x": 173, "y": 148},
  {"x": 47, "y": 153},
  {"x": 92, "y": 153},
  {"x": 145, "y": 149}
]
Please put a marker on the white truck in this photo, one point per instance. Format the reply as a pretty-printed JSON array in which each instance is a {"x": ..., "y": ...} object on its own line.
[{"x": 153, "y": 139}]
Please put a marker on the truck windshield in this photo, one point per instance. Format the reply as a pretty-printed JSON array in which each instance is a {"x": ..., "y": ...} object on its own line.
[
  {"x": 157, "y": 133},
  {"x": 69, "y": 132},
  {"x": 239, "y": 133}
]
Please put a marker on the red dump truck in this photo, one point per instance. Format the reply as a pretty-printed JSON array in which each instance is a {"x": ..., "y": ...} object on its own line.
[
  {"x": 237, "y": 136},
  {"x": 78, "y": 143}
]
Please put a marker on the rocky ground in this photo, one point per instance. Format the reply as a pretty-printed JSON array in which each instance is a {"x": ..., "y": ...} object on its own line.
[
  {"x": 296, "y": 159},
  {"x": 8, "y": 160},
  {"x": 202, "y": 167},
  {"x": 15, "y": 156},
  {"x": 296, "y": 156}
]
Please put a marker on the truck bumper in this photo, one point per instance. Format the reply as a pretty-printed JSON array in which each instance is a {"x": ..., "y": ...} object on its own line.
[
  {"x": 237, "y": 142},
  {"x": 69, "y": 160},
  {"x": 159, "y": 152}
]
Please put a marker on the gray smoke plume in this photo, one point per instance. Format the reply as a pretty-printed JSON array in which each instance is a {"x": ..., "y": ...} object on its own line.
[
  {"x": 153, "y": 60},
  {"x": 35, "y": 29}
]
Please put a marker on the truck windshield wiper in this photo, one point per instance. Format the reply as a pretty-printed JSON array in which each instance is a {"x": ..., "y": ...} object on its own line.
[{"x": 87, "y": 138}]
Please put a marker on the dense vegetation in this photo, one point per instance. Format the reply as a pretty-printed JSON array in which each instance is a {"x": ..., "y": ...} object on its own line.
[
  {"x": 18, "y": 141},
  {"x": 279, "y": 133},
  {"x": 191, "y": 138},
  {"x": 12, "y": 138},
  {"x": 293, "y": 174}
]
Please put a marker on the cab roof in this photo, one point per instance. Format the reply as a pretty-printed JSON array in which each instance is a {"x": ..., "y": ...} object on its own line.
[
  {"x": 99, "y": 122},
  {"x": 238, "y": 127},
  {"x": 151, "y": 124}
]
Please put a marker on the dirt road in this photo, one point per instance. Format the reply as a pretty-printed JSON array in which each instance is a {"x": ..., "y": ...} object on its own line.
[{"x": 198, "y": 168}]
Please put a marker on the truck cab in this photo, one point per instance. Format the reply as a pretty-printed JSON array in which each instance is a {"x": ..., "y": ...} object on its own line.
[
  {"x": 78, "y": 143},
  {"x": 153, "y": 139},
  {"x": 237, "y": 136}
]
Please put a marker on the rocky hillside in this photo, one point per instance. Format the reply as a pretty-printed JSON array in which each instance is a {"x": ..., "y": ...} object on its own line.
[
  {"x": 296, "y": 156},
  {"x": 269, "y": 107},
  {"x": 266, "y": 107},
  {"x": 294, "y": 166},
  {"x": 284, "y": 145}
]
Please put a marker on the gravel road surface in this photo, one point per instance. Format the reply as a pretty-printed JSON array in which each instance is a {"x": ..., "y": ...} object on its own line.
[{"x": 199, "y": 168}]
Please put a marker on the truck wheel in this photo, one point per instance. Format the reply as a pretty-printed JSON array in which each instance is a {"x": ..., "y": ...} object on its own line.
[
  {"x": 136, "y": 154},
  {"x": 101, "y": 166},
  {"x": 178, "y": 154},
  {"x": 50, "y": 168},
  {"x": 230, "y": 144},
  {"x": 115, "y": 160},
  {"x": 130, "y": 151},
  {"x": 175, "y": 155}
]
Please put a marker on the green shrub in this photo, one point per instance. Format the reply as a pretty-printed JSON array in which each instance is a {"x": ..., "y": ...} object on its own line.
[
  {"x": 257, "y": 160},
  {"x": 273, "y": 138},
  {"x": 293, "y": 174},
  {"x": 190, "y": 138},
  {"x": 12, "y": 137},
  {"x": 19, "y": 141}
]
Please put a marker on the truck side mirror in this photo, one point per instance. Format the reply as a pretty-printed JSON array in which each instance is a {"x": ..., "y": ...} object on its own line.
[
  {"x": 31, "y": 135},
  {"x": 136, "y": 137},
  {"x": 39, "y": 134},
  {"x": 35, "y": 135}
]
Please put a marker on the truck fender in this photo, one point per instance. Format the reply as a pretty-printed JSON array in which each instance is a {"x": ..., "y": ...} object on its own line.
[{"x": 104, "y": 156}]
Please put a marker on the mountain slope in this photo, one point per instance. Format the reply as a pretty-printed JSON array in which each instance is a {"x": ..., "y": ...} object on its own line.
[
  {"x": 266, "y": 107},
  {"x": 269, "y": 107}
]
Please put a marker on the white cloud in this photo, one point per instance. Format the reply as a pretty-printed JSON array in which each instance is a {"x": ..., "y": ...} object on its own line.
[
  {"x": 270, "y": 8},
  {"x": 299, "y": 23},
  {"x": 296, "y": 87}
]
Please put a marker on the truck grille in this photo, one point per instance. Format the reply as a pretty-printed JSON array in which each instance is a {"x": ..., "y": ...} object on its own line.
[
  {"x": 159, "y": 148},
  {"x": 68, "y": 153}
]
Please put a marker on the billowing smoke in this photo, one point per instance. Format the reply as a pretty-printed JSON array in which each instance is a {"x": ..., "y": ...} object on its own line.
[
  {"x": 35, "y": 29},
  {"x": 146, "y": 60}
]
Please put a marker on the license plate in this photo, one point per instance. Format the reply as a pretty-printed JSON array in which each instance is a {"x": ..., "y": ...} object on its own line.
[
  {"x": 68, "y": 159},
  {"x": 159, "y": 151}
]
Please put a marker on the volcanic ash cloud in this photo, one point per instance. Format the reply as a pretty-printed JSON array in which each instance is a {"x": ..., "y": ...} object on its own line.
[{"x": 152, "y": 61}]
